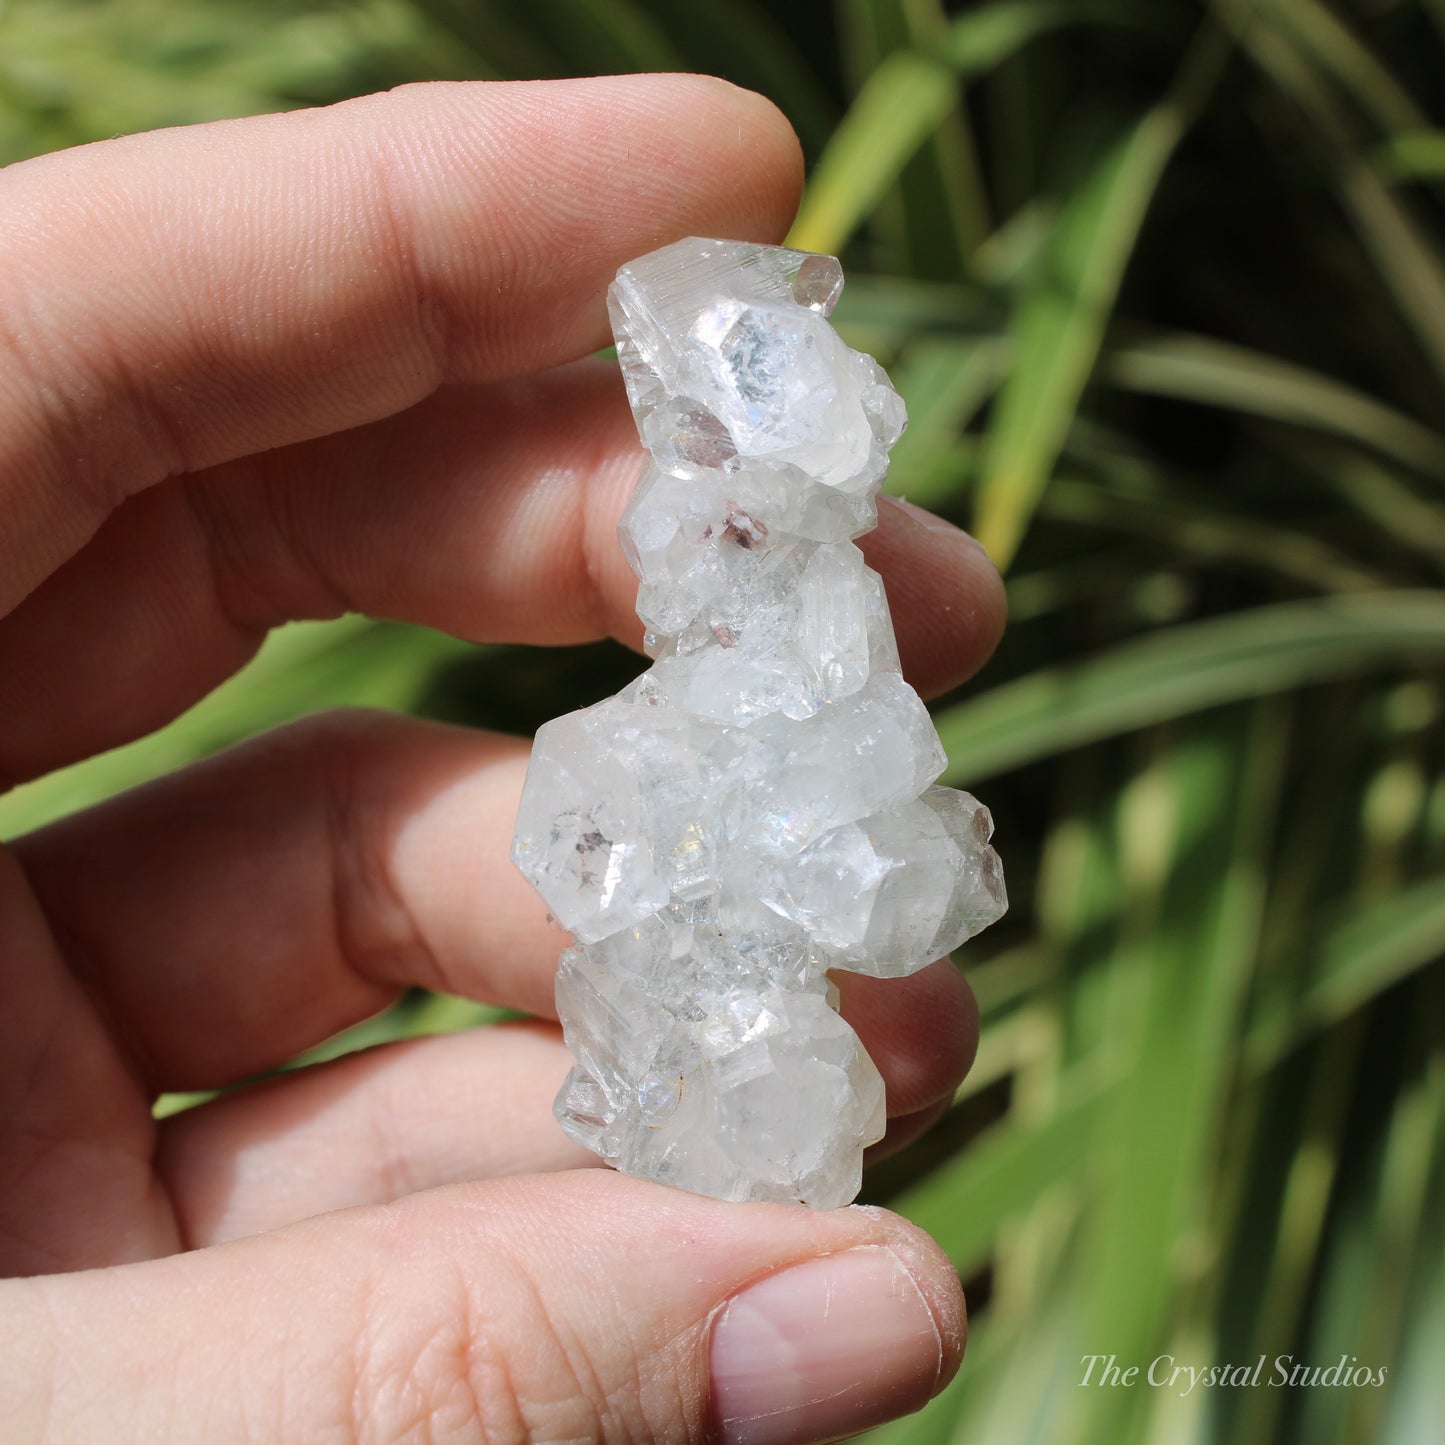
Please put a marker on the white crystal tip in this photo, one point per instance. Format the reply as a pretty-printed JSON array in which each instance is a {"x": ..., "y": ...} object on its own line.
[{"x": 731, "y": 367}]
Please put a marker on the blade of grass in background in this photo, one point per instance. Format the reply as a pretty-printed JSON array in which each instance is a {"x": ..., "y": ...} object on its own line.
[
  {"x": 899, "y": 105},
  {"x": 1402, "y": 514},
  {"x": 300, "y": 669},
  {"x": 1367, "y": 952},
  {"x": 905, "y": 99},
  {"x": 966, "y": 1202},
  {"x": 1189, "y": 526},
  {"x": 1413, "y": 156},
  {"x": 1338, "y": 52},
  {"x": 1410, "y": 268},
  {"x": 1202, "y": 825},
  {"x": 1086, "y": 885},
  {"x": 944, "y": 382},
  {"x": 1216, "y": 373},
  {"x": 1061, "y": 318},
  {"x": 937, "y": 211},
  {"x": 1186, "y": 669},
  {"x": 1409, "y": 264}
]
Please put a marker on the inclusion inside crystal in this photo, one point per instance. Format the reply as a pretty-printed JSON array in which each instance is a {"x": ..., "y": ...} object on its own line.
[{"x": 760, "y": 806}]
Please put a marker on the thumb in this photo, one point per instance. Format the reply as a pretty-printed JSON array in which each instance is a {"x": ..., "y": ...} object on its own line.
[{"x": 584, "y": 1306}]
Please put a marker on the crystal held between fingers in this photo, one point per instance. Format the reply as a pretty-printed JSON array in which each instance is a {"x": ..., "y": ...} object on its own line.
[{"x": 758, "y": 807}]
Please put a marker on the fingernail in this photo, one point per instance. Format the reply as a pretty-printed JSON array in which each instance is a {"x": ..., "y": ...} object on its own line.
[{"x": 823, "y": 1350}]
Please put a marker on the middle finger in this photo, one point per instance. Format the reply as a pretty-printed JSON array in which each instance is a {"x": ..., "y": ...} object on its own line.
[{"x": 242, "y": 910}]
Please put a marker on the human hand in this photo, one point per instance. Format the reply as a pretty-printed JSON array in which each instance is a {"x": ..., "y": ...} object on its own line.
[{"x": 290, "y": 367}]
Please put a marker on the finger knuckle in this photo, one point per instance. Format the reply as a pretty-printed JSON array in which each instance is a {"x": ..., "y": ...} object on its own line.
[{"x": 461, "y": 1368}]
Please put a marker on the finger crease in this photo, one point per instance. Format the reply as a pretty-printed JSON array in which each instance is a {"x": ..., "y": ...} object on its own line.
[
  {"x": 228, "y": 576},
  {"x": 430, "y": 313},
  {"x": 323, "y": 593},
  {"x": 59, "y": 436},
  {"x": 377, "y": 932}
]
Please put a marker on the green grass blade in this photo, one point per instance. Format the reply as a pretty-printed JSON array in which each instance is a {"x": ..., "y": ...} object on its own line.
[
  {"x": 1383, "y": 1258},
  {"x": 944, "y": 383},
  {"x": 904, "y": 100},
  {"x": 1367, "y": 952},
  {"x": 964, "y": 1203},
  {"x": 989, "y": 34},
  {"x": 1339, "y": 53},
  {"x": 1417, "y": 155},
  {"x": 937, "y": 212},
  {"x": 1408, "y": 519},
  {"x": 1405, "y": 256},
  {"x": 1061, "y": 318},
  {"x": 1202, "y": 819},
  {"x": 301, "y": 668},
  {"x": 1410, "y": 263},
  {"x": 1409, "y": 1230},
  {"x": 887, "y": 313},
  {"x": 1413, "y": 1406},
  {"x": 1299, "y": 1227},
  {"x": 1192, "y": 528},
  {"x": 1219, "y": 373},
  {"x": 1094, "y": 577},
  {"x": 1189, "y": 668},
  {"x": 898, "y": 107}
]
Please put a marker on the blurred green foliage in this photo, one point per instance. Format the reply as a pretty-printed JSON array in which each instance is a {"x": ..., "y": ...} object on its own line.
[{"x": 1164, "y": 285}]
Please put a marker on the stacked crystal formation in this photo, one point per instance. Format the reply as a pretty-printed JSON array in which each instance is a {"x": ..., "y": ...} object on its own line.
[{"x": 755, "y": 809}]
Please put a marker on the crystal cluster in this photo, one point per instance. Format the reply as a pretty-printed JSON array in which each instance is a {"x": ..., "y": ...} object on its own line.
[{"x": 757, "y": 808}]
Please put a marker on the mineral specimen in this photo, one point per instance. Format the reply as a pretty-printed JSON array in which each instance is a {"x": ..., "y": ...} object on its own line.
[{"x": 755, "y": 810}]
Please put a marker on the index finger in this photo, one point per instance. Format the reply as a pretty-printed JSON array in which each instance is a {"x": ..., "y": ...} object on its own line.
[{"x": 174, "y": 300}]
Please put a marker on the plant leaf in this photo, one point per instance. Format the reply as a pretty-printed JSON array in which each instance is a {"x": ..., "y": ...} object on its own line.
[
  {"x": 1186, "y": 669},
  {"x": 1060, "y": 320}
]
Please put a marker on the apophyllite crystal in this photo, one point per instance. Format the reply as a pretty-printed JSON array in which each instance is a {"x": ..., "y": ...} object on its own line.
[{"x": 756, "y": 809}]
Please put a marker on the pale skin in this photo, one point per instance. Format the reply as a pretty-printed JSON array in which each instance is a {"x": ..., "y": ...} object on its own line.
[{"x": 286, "y": 368}]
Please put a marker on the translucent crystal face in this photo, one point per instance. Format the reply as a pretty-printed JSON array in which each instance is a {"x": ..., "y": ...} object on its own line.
[{"x": 758, "y": 807}]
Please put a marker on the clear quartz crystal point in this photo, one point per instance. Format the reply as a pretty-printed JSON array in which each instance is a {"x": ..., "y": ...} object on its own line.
[{"x": 760, "y": 806}]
